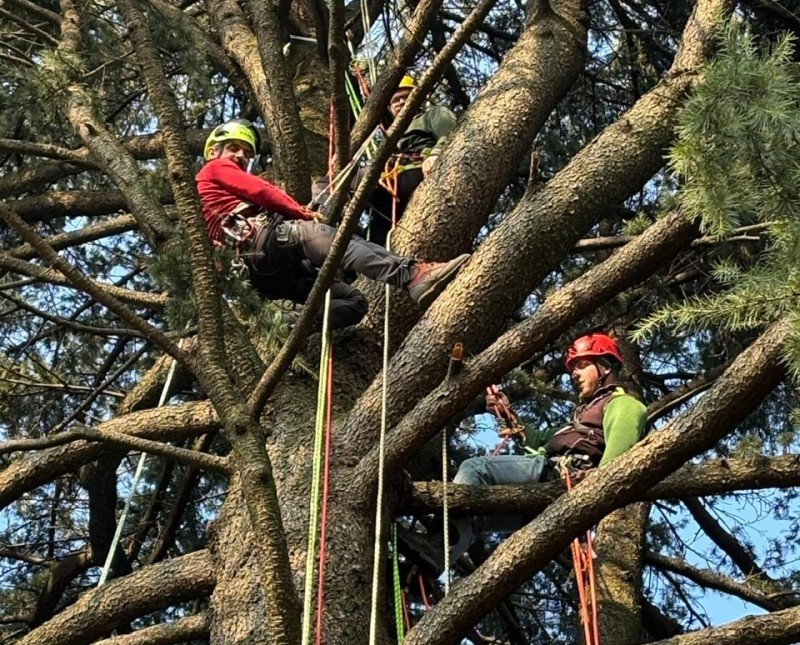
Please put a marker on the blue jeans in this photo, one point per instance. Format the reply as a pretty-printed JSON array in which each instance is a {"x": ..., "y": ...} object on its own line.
[{"x": 490, "y": 471}]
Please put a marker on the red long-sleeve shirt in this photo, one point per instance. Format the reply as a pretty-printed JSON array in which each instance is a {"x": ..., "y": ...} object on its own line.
[{"x": 223, "y": 185}]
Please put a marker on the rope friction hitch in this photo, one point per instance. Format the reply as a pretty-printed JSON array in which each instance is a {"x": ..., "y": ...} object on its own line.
[{"x": 510, "y": 426}]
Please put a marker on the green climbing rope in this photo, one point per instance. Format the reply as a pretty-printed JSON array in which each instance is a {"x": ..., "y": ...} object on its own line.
[{"x": 398, "y": 593}]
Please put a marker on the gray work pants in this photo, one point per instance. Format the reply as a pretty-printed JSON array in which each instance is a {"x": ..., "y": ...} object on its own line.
[
  {"x": 491, "y": 471},
  {"x": 277, "y": 256},
  {"x": 314, "y": 241}
]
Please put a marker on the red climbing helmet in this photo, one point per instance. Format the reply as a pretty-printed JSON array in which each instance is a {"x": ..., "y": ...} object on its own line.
[{"x": 592, "y": 346}]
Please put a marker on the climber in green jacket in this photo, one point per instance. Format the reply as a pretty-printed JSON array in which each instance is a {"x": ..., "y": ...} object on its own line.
[
  {"x": 607, "y": 423},
  {"x": 418, "y": 151}
]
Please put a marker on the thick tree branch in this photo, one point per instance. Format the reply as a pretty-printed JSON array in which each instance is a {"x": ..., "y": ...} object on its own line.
[
  {"x": 46, "y": 150},
  {"x": 340, "y": 106},
  {"x": 182, "y": 630},
  {"x": 60, "y": 574},
  {"x": 712, "y": 477},
  {"x": 105, "y": 148},
  {"x": 779, "y": 628},
  {"x": 163, "y": 424},
  {"x": 130, "y": 442},
  {"x": 29, "y": 179},
  {"x": 204, "y": 276},
  {"x": 711, "y": 580},
  {"x": 283, "y": 118},
  {"x": 151, "y": 588},
  {"x": 71, "y": 203},
  {"x": 51, "y": 17},
  {"x": 127, "y": 296},
  {"x": 115, "y": 226}
]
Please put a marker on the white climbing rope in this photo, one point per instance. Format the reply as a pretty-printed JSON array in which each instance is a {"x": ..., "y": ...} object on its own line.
[
  {"x": 376, "y": 555},
  {"x": 445, "y": 515},
  {"x": 136, "y": 477}
]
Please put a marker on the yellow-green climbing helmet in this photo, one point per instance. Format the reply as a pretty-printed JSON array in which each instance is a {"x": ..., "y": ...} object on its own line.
[{"x": 238, "y": 129}]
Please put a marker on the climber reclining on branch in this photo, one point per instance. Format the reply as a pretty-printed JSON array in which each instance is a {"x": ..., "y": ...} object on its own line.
[{"x": 280, "y": 243}]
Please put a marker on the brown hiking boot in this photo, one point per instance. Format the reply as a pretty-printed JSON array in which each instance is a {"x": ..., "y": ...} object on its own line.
[{"x": 428, "y": 279}]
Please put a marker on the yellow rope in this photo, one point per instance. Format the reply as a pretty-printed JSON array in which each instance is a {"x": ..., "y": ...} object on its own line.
[{"x": 316, "y": 473}]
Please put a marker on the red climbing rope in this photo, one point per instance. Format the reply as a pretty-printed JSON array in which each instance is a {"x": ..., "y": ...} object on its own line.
[{"x": 583, "y": 561}]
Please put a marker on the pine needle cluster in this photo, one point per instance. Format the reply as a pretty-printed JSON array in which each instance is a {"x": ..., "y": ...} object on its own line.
[{"x": 737, "y": 156}]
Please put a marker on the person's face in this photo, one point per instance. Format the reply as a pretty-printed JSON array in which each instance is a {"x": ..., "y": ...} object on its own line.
[
  {"x": 237, "y": 151},
  {"x": 587, "y": 375},
  {"x": 398, "y": 100}
]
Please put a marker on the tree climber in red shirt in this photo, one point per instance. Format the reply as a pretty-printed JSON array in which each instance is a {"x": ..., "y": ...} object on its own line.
[{"x": 278, "y": 239}]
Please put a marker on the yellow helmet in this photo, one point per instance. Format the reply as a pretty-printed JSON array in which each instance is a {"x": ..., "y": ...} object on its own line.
[
  {"x": 407, "y": 82},
  {"x": 235, "y": 129}
]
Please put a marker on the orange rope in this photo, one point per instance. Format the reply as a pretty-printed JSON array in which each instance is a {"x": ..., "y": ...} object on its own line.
[
  {"x": 582, "y": 558},
  {"x": 406, "y": 616},
  {"x": 425, "y": 602},
  {"x": 363, "y": 86}
]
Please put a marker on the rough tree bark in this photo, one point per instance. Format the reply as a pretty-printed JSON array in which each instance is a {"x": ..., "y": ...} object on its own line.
[{"x": 256, "y": 554}]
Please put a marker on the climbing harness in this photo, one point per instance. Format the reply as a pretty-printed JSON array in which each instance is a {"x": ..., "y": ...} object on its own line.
[
  {"x": 322, "y": 434},
  {"x": 583, "y": 561},
  {"x": 136, "y": 477}
]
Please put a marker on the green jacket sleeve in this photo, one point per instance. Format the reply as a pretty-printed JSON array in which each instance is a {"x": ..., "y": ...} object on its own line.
[
  {"x": 440, "y": 122},
  {"x": 624, "y": 419}
]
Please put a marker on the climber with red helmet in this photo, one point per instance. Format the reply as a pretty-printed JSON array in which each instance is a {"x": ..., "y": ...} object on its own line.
[
  {"x": 607, "y": 422},
  {"x": 417, "y": 152},
  {"x": 281, "y": 244}
]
